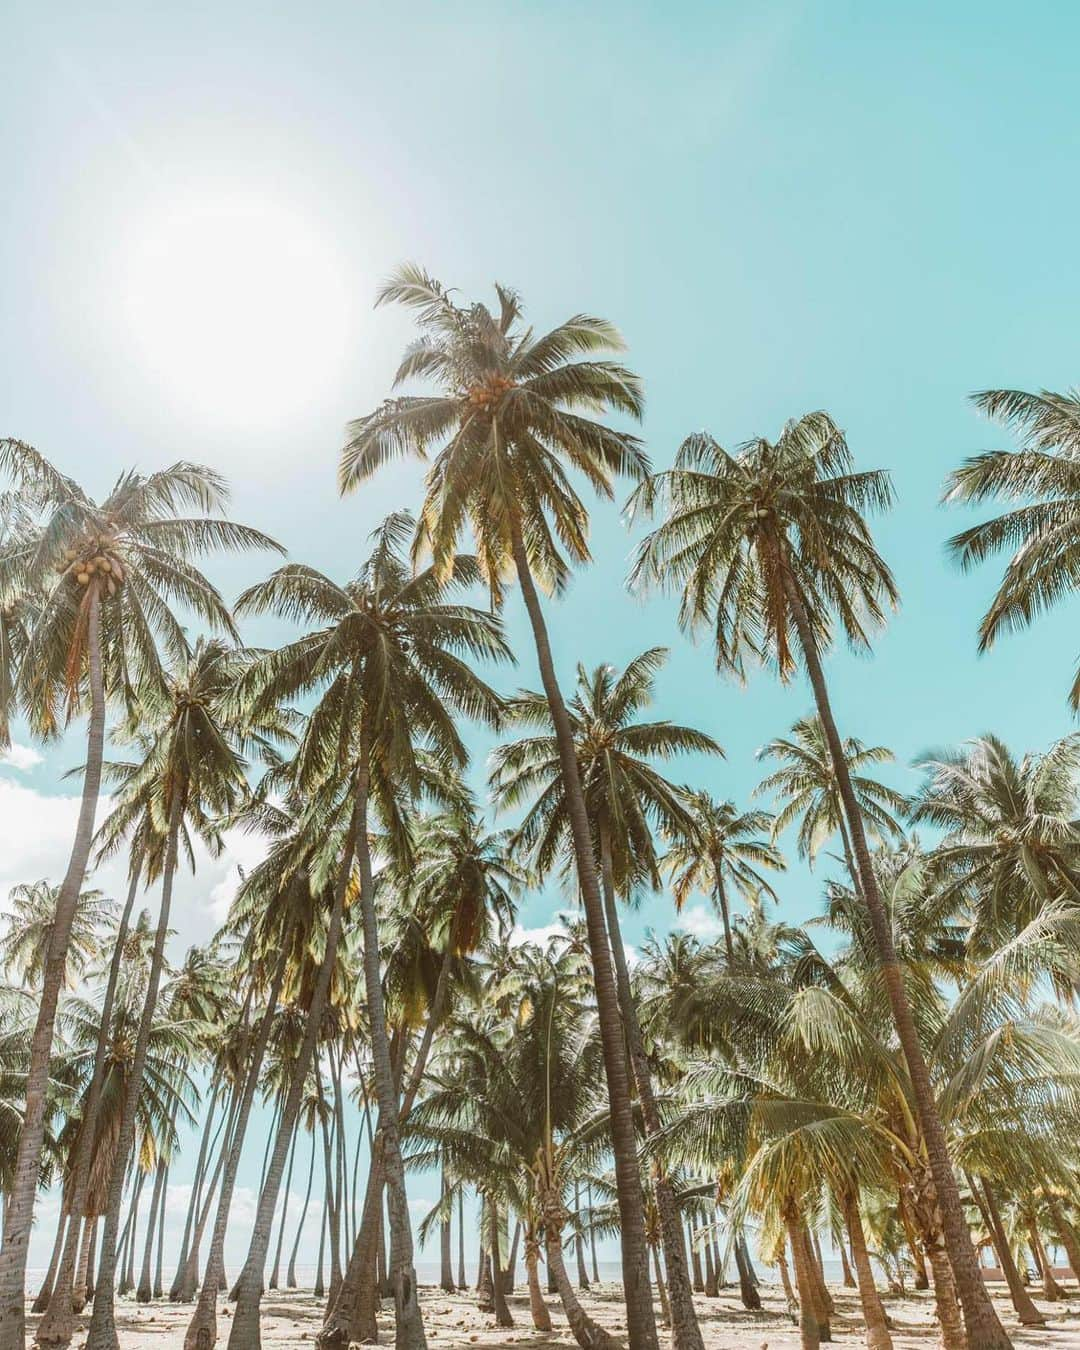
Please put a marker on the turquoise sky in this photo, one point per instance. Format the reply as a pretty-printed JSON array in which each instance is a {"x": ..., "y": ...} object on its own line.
[{"x": 787, "y": 206}]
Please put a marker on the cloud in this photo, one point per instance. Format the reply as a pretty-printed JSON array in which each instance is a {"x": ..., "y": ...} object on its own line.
[
  {"x": 21, "y": 757},
  {"x": 537, "y": 937},
  {"x": 699, "y": 922}
]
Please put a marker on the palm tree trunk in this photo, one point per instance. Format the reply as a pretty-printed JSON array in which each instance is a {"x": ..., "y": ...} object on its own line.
[
  {"x": 290, "y": 1279},
  {"x": 160, "y": 1264},
  {"x": 588, "y": 1334},
  {"x": 1052, "y": 1291},
  {"x": 201, "y": 1333},
  {"x": 640, "y": 1318},
  {"x": 510, "y": 1274},
  {"x": 190, "y": 1281},
  {"x": 196, "y": 1186},
  {"x": 319, "y": 1290},
  {"x": 945, "y": 1304},
  {"x": 144, "y": 1291},
  {"x": 541, "y": 1318},
  {"x": 819, "y": 1264},
  {"x": 695, "y": 1264},
  {"x": 751, "y": 1299},
  {"x": 84, "y": 1252},
  {"x": 809, "y": 1333},
  {"x": 19, "y": 1207},
  {"x": 244, "y": 1334},
  {"x": 845, "y": 1265},
  {"x": 446, "y": 1262},
  {"x": 90, "y": 1273},
  {"x": 725, "y": 918},
  {"x": 981, "y": 1319},
  {"x": 686, "y": 1334},
  {"x": 661, "y": 1287},
  {"x": 1066, "y": 1235},
  {"x": 276, "y": 1269},
  {"x": 102, "y": 1333},
  {"x": 785, "y": 1281},
  {"x": 918, "y": 1256},
  {"x": 818, "y": 1292},
  {"x": 877, "y": 1326},
  {"x": 712, "y": 1280},
  {"x": 579, "y": 1241},
  {"x": 1026, "y": 1310},
  {"x": 462, "y": 1284},
  {"x": 592, "y": 1235},
  {"x": 45, "y": 1292},
  {"x": 333, "y": 1230},
  {"x": 127, "y": 1240},
  {"x": 498, "y": 1282}
]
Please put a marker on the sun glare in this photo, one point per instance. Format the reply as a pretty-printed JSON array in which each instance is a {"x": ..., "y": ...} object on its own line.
[{"x": 239, "y": 309}]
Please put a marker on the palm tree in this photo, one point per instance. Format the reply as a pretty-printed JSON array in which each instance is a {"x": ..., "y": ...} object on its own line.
[
  {"x": 721, "y": 850},
  {"x": 772, "y": 552},
  {"x": 388, "y": 658},
  {"x": 807, "y": 787},
  {"x": 1012, "y": 837},
  {"x": 1042, "y": 534},
  {"x": 24, "y": 946},
  {"x": 104, "y": 578},
  {"x": 194, "y": 768},
  {"x": 626, "y": 797},
  {"x": 514, "y": 411}
]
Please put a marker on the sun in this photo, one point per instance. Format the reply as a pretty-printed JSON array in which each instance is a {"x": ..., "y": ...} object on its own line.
[{"x": 237, "y": 309}]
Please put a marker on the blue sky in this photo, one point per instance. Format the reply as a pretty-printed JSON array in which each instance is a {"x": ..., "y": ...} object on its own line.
[{"x": 784, "y": 206}]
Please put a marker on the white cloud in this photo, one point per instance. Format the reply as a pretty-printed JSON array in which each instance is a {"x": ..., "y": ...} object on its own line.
[
  {"x": 538, "y": 937},
  {"x": 699, "y": 922},
  {"x": 21, "y": 757}
]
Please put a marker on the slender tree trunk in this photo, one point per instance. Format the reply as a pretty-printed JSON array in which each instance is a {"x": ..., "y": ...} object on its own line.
[
  {"x": 809, "y": 1332},
  {"x": 90, "y": 1274},
  {"x": 196, "y": 1187},
  {"x": 981, "y": 1319},
  {"x": 541, "y": 1318},
  {"x": 319, "y": 1289},
  {"x": 695, "y": 1264},
  {"x": 751, "y": 1299},
  {"x": 19, "y": 1208},
  {"x": 725, "y": 916},
  {"x": 510, "y": 1273},
  {"x": 686, "y": 1334},
  {"x": 498, "y": 1282},
  {"x": 84, "y": 1266},
  {"x": 45, "y": 1292},
  {"x": 333, "y": 1227},
  {"x": 640, "y": 1318},
  {"x": 145, "y": 1290},
  {"x": 845, "y": 1265},
  {"x": 1066, "y": 1235},
  {"x": 945, "y": 1303},
  {"x": 160, "y": 1264},
  {"x": 1026, "y": 1310},
  {"x": 190, "y": 1281},
  {"x": 201, "y": 1332},
  {"x": 918, "y": 1256},
  {"x": 579, "y": 1241},
  {"x": 819, "y": 1262},
  {"x": 877, "y": 1326},
  {"x": 785, "y": 1281},
  {"x": 290, "y": 1279},
  {"x": 592, "y": 1235},
  {"x": 446, "y": 1274},
  {"x": 1051, "y": 1290},
  {"x": 275, "y": 1270},
  {"x": 102, "y": 1334},
  {"x": 462, "y": 1283},
  {"x": 127, "y": 1240},
  {"x": 244, "y": 1334},
  {"x": 817, "y": 1289}
]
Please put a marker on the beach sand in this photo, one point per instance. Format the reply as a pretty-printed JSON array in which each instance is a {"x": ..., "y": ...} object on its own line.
[{"x": 452, "y": 1320}]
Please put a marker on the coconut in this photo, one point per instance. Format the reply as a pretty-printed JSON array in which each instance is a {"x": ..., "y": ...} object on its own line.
[
  {"x": 83, "y": 579},
  {"x": 105, "y": 565},
  {"x": 112, "y": 586}
]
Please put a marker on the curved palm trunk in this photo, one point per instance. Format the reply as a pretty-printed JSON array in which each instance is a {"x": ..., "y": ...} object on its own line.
[
  {"x": 579, "y": 1241},
  {"x": 785, "y": 1281},
  {"x": 245, "y": 1323},
  {"x": 661, "y": 1287},
  {"x": 201, "y": 1332},
  {"x": 102, "y": 1334},
  {"x": 160, "y": 1266},
  {"x": 276, "y": 1269},
  {"x": 918, "y": 1256},
  {"x": 541, "y": 1318},
  {"x": 1066, "y": 1235},
  {"x": 145, "y": 1290},
  {"x": 329, "y": 1134},
  {"x": 712, "y": 1280},
  {"x": 751, "y": 1299},
  {"x": 196, "y": 1188},
  {"x": 686, "y": 1334},
  {"x": 818, "y": 1293},
  {"x": 290, "y": 1279},
  {"x": 446, "y": 1264},
  {"x": 190, "y": 1281},
  {"x": 725, "y": 917},
  {"x": 498, "y": 1280},
  {"x": 980, "y": 1317},
  {"x": 695, "y": 1264},
  {"x": 849, "y": 1280},
  {"x": 19, "y": 1207},
  {"x": 45, "y": 1292},
  {"x": 877, "y": 1326},
  {"x": 588, "y": 1334},
  {"x": 640, "y": 1318},
  {"x": 945, "y": 1304},
  {"x": 1051, "y": 1290},
  {"x": 592, "y": 1235},
  {"x": 809, "y": 1332},
  {"x": 1026, "y": 1310}
]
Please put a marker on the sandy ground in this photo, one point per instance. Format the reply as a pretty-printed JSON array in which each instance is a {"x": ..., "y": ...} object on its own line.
[{"x": 452, "y": 1320}]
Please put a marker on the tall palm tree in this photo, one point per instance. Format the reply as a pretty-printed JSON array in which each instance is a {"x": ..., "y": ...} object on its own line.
[
  {"x": 195, "y": 769},
  {"x": 105, "y": 578},
  {"x": 772, "y": 551},
  {"x": 1012, "y": 836},
  {"x": 1042, "y": 533},
  {"x": 809, "y": 793},
  {"x": 626, "y": 798},
  {"x": 721, "y": 849},
  {"x": 513, "y": 413},
  {"x": 389, "y": 659}
]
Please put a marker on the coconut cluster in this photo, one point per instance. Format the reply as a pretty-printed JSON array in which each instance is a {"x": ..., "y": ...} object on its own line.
[
  {"x": 95, "y": 554},
  {"x": 482, "y": 396}
]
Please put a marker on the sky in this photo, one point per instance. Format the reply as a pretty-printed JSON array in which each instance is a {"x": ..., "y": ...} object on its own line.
[{"x": 783, "y": 206}]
